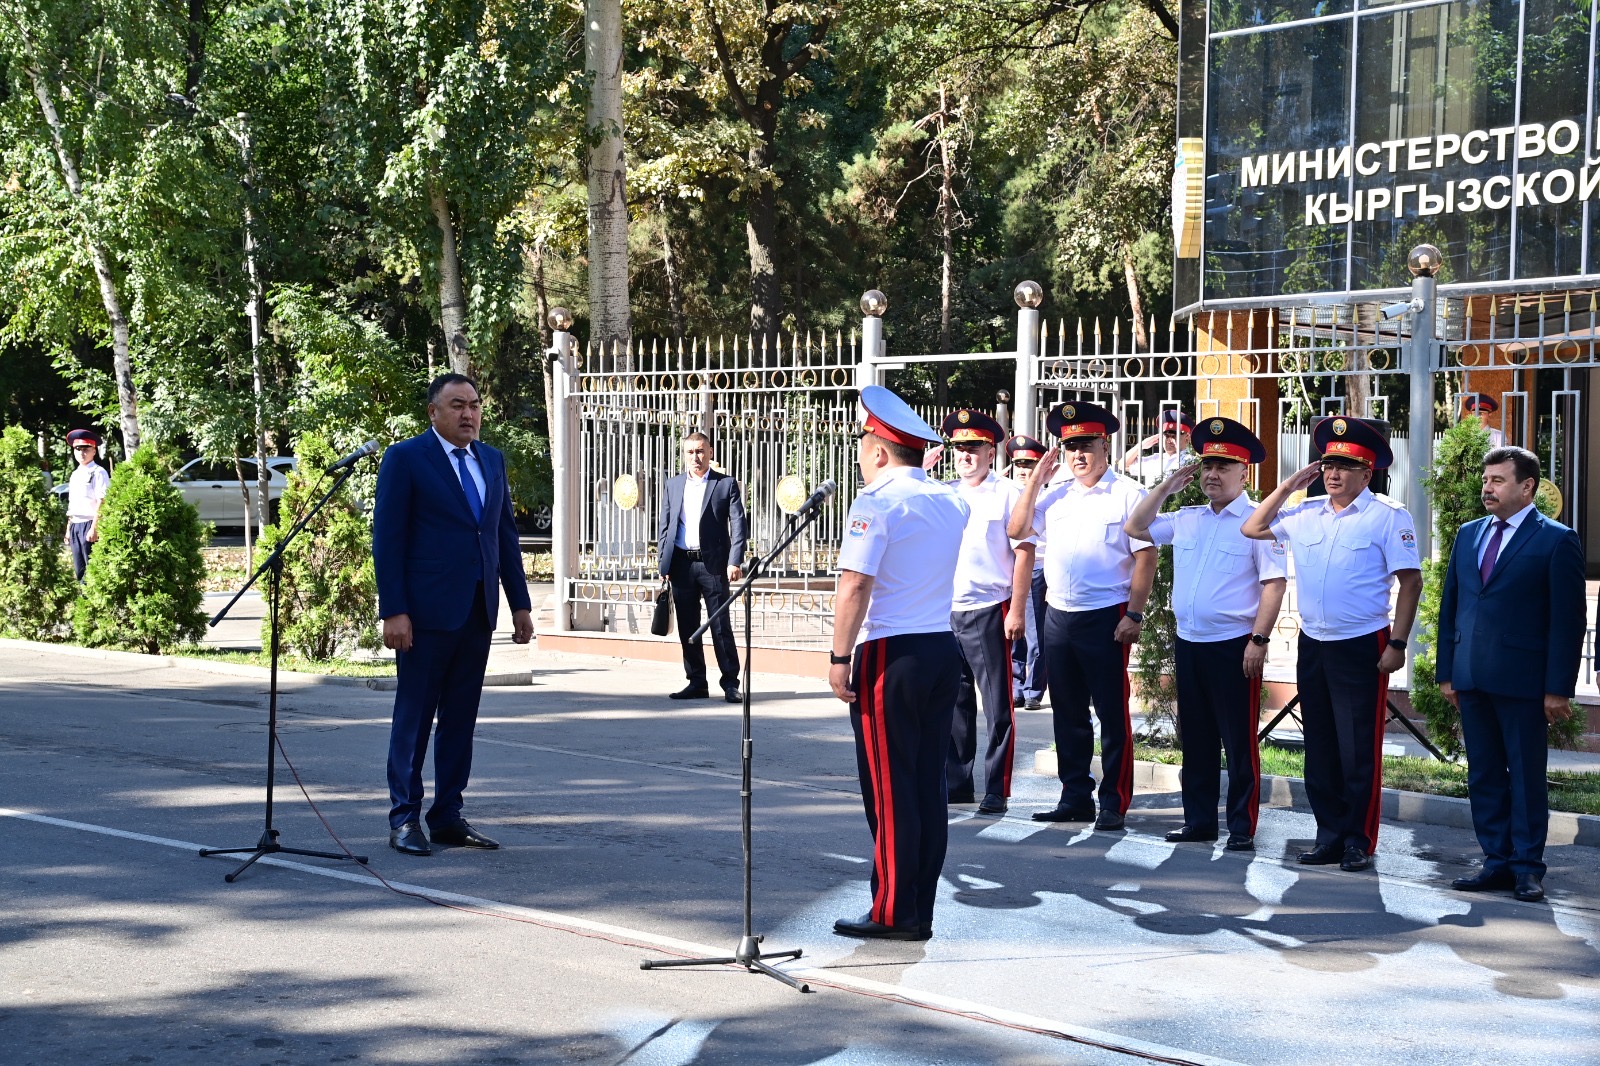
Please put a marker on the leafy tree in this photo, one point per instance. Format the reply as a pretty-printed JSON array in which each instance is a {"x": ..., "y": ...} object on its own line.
[
  {"x": 145, "y": 580},
  {"x": 329, "y": 592},
  {"x": 36, "y": 584},
  {"x": 1155, "y": 656}
]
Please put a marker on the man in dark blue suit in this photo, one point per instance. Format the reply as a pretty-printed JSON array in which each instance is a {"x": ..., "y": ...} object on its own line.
[
  {"x": 700, "y": 542},
  {"x": 1511, "y": 624},
  {"x": 443, "y": 541}
]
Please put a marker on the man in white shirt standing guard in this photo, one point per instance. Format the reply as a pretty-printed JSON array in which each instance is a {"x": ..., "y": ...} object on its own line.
[
  {"x": 993, "y": 578},
  {"x": 1350, "y": 548},
  {"x": 1226, "y": 593}
]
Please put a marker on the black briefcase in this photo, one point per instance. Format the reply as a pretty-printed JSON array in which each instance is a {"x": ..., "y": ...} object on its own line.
[{"x": 661, "y": 620}]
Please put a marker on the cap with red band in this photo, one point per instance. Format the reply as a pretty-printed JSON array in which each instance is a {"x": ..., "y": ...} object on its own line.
[
  {"x": 971, "y": 427},
  {"x": 1223, "y": 438},
  {"x": 1360, "y": 440},
  {"x": 890, "y": 417},
  {"x": 1067, "y": 421},
  {"x": 1024, "y": 447}
]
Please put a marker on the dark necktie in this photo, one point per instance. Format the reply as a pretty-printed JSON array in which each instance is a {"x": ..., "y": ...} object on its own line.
[
  {"x": 1492, "y": 552},
  {"x": 469, "y": 486}
]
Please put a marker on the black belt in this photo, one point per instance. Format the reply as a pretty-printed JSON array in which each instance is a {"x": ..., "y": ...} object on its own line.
[{"x": 692, "y": 553}]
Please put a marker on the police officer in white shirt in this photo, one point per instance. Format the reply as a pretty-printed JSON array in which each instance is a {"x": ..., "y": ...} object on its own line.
[
  {"x": 1226, "y": 592},
  {"x": 86, "y": 490},
  {"x": 895, "y": 661},
  {"x": 1350, "y": 547},
  {"x": 993, "y": 577},
  {"x": 1171, "y": 444},
  {"x": 1097, "y": 580},
  {"x": 1027, "y": 665}
]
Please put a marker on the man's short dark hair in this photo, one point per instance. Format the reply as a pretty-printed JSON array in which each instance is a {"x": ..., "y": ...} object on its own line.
[
  {"x": 904, "y": 454},
  {"x": 438, "y": 385},
  {"x": 699, "y": 436},
  {"x": 1524, "y": 464}
]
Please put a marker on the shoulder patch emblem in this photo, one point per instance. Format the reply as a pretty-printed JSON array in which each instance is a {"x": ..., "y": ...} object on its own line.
[
  {"x": 1408, "y": 538},
  {"x": 1277, "y": 547},
  {"x": 859, "y": 526}
]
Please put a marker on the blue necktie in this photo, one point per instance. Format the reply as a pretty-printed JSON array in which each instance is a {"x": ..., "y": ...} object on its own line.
[{"x": 469, "y": 486}]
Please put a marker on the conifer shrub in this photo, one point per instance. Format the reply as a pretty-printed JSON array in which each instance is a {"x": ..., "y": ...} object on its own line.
[
  {"x": 145, "y": 582},
  {"x": 1155, "y": 656},
  {"x": 36, "y": 582}
]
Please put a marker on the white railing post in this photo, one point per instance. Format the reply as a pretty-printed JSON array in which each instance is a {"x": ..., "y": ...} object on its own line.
[
  {"x": 564, "y": 512},
  {"x": 1029, "y": 295},
  {"x": 873, "y": 304}
]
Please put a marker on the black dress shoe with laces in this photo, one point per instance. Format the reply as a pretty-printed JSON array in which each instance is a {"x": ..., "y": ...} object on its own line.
[
  {"x": 462, "y": 835},
  {"x": 1530, "y": 888},
  {"x": 1033, "y": 703},
  {"x": 1240, "y": 842},
  {"x": 1485, "y": 881},
  {"x": 1108, "y": 821},
  {"x": 1321, "y": 855},
  {"x": 733, "y": 695},
  {"x": 1065, "y": 814},
  {"x": 693, "y": 692},
  {"x": 865, "y": 928},
  {"x": 1189, "y": 834},
  {"x": 993, "y": 804},
  {"x": 1355, "y": 859},
  {"x": 408, "y": 839}
]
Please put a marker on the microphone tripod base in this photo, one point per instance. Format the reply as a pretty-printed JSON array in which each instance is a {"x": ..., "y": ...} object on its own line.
[
  {"x": 748, "y": 954},
  {"x": 268, "y": 845}
]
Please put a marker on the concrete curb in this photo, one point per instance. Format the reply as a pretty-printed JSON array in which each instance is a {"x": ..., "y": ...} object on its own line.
[
  {"x": 1398, "y": 806},
  {"x": 525, "y": 677},
  {"x": 133, "y": 658}
]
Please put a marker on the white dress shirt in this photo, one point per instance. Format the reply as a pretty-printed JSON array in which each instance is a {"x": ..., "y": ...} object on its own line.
[
  {"x": 905, "y": 532},
  {"x": 988, "y": 557},
  {"x": 694, "y": 501},
  {"x": 1345, "y": 562},
  {"x": 85, "y": 489},
  {"x": 1217, "y": 571},
  {"x": 1090, "y": 564},
  {"x": 1514, "y": 523},
  {"x": 473, "y": 466}
]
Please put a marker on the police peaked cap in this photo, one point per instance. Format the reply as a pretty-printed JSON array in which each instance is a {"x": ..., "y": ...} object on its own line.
[
  {"x": 1022, "y": 447},
  {"x": 89, "y": 435},
  {"x": 1360, "y": 440},
  {"x": 1223, "y": 438},
  {"x": 1171, "y": 415},
  {"x": 967, "y": 425},
  {"x": 1481, "y": 401},
  {"x": 890, "y": 417},
  {"x": 1078, "y": 418}
]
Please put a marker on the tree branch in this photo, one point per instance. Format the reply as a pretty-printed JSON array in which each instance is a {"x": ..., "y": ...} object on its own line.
[{"x": 746, "y": 110}]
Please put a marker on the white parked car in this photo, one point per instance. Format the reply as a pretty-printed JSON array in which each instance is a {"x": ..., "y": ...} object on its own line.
[{"x": 213, "y": 488}]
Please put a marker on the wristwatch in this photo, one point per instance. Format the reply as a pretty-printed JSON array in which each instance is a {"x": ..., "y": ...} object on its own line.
[
  {"x": 1260, "y": 640},
  {"x": 838, "y": 660},
  {"x": 1398, "y": 644},
  {"x": 1134, "y": 616}
]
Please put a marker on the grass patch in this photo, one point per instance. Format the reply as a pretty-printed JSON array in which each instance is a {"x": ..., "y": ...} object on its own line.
[
  {"x": 287, "y": 661},
  {"x": 1575, "y": 791}
]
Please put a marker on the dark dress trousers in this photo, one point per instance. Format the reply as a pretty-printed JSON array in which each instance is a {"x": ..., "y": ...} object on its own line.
[
  {"x": 703, "y": 574},
  {"x": 444, "y": 569},
  {"x": 1504, "y": 644}
]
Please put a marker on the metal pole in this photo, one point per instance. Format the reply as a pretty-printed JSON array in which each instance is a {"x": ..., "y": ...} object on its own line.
[
  {"x": 563, "y": 515},
  {"x": 1422, "y": 359},
  {"x": 1023, "y": 385}
]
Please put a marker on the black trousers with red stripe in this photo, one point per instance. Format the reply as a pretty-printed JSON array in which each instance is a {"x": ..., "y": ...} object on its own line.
[
  {"x": 1085, "y": 664},
  {"x": 905, "y": 689},
  {"x": 1218, "y": 708},
  {"x": 985, "y": 678},
  {"x": 1343, "y": 705}
]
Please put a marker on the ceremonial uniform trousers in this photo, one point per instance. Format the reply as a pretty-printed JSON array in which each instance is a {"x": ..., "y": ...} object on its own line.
[
  {"x": 1086, "y": 664},
  {"x": 986, "y": 677},
  {"x": 1027, "y": 664},
  {"x": 1344, "y": 701},
  {"x": 905, "y": 688},
  {"x": 1218, "y": 706}
]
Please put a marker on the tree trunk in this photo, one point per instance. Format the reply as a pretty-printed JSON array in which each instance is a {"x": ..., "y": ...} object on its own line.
[
  {"x": 610, "y": 322},
  {"x": 257, "y": 313},
  {"x": 1357, "y": 387},
  {"x": 761, "y": 232},
  {"x": 541, "y": 299},
  {"x": 669, "y": 266},
  {"x": 1141, "y": 335},
  {"x": 452, "y": 294},
  {"x": 122, "y": 363},
  {"x": 946, "y": 200},
  {"x": 244, "y": 491}
]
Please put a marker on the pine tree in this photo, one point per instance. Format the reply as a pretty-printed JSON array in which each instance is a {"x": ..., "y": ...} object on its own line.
[
  {"x": 145, "y": 581},
  {"x": 35, "y": 582}
]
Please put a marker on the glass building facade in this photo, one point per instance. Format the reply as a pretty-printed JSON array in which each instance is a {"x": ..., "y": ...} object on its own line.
[{"x": 1340, "y": 133}]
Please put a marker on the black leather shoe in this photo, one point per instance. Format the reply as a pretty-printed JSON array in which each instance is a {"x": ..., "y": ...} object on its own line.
[
  {"x": 1321, "y": 855},
  {"x": 1354, "y": 859},
  {"x": 1108, "y": 821},
  {"x": 462, "y": 835},
  {"x": 1485, "y": 881},
  {"x": 1189, "y": 834},
  {"x": 867, "y": 929},
  {"x": 409, "y": 840},
  {"x": 993, "y": 804},
  {"x": 1240, "y": 842},
  {"x": 1033, "y": 704},
  {"x": 693, "y": 692},
  {"x": 1530, "y": 889},
  {"x": 961, "y": 796},
  {"x": 733, "y": 695},
  {"x": 1065, "y": 814}
]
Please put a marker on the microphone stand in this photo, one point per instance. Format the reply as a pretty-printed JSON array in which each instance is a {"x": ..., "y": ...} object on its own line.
[
  {"x": 273, "y": 565},
  {"x": 748, "y": 954}
]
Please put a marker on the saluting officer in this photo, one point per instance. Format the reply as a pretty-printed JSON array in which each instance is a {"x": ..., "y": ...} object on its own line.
[
  {"x": 1027, "y": 665},
  {"x": 895, "y": 661},
  {"x": 1171, "y": 443},
  {"x": 992, "y": 580},
  {"x": 1226, "y": 592},
  {"x": 1097, "y": 581},
  {"x": 1349, "y": 548}
]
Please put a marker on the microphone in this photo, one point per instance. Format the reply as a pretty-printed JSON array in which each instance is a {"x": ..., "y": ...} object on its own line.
[
  {"x": 369, "y": 448},
  {"x": 819, "y": 496}
]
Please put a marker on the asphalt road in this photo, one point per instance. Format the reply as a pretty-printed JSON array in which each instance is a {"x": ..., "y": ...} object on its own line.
[{"x": 619, "y": 814}]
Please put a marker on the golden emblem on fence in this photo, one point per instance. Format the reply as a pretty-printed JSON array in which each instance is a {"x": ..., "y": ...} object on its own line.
[
  {"x": 625, "y": 492},
  {"x": 790, "y": 493}
]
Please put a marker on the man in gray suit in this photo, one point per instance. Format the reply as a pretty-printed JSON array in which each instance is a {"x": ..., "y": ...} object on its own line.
[{"x": 700, "y": 540}]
